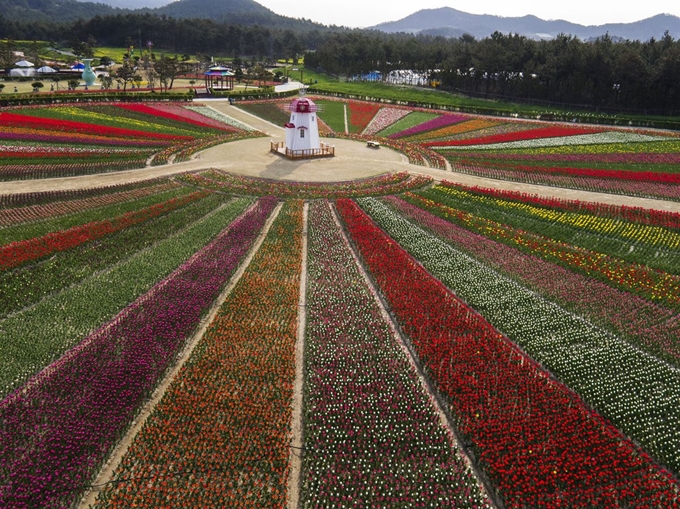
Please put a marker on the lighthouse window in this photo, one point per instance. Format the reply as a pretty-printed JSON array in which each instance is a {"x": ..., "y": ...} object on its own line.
[
  {"x": 302, "y": 133},
  {"x": 312, "y": 118}
]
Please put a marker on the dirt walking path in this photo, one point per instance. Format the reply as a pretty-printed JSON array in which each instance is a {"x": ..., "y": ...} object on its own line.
[
  {"x": 295, "y": 462},
  {"x": 106, "y": 474}
]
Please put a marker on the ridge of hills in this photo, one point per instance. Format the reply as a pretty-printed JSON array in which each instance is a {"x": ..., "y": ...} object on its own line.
[{"x": 444, "y": 21}]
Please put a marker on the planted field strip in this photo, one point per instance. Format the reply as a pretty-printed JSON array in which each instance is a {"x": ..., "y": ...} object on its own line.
[
  {"x": 30, "y": 213},
  {"x": 372, "y": 437},
  {"x": 23, "y": 287},
  {"x": 638, "y": 215},
  {"x": 431, "y": 125},
  {"x": 413, "y": 119},
  {"x": 332, "y": 113},
  {"x": 537, "y": 136},
  {"x": 649, "y": 281},
  {"x": 648, "y": 326},
  {"x": 19, "y": 253},
  {"x": 271, "y": 112},
  {"x": 602, "y": 232},
  {"x": 64, "y": 423},
  {"x": 219, "y": 437},
  {"x": 543, "y": 177},
  {"x": 387, "y": 183},
  {"x": 534, "y": 438},
  {"x": 457, "y": 130},
  {"x": 384, "y": 118},
  {"x": 632, "y": 389},
  {"x": 32, "y": 339},
  {"x": 49, "y": 225},
  {"x": 360, "y": 114}
]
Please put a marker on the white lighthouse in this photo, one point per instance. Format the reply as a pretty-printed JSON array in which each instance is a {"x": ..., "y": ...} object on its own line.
[{"x": 302, "y": 131}]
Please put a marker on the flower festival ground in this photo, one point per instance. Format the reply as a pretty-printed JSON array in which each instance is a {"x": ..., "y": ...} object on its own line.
[{"x": 481, "y": 313}]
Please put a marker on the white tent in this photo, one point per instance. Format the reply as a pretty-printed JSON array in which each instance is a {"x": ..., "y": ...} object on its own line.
[
  {"x": 24, "y": 63},
  {"x": 45, "y": 69},
  {"x": 22, "y": 72}
]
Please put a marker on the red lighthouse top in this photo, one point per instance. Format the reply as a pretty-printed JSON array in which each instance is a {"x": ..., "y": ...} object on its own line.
[{"x": 303, "y": 105}]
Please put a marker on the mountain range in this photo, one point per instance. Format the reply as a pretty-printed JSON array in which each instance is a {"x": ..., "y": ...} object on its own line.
[
  {"x": 444, "y": 21},
  {"x": 450, "y": 22}
]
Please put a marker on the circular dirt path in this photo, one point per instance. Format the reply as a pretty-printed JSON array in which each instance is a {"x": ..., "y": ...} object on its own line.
[{"x": 353, "y": 160}]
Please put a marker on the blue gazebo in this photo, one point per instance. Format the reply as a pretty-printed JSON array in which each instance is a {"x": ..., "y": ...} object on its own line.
[{"x": 219, "y": 78}]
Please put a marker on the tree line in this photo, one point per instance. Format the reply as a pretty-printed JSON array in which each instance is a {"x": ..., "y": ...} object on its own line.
[{"x": 603, "y": 74}]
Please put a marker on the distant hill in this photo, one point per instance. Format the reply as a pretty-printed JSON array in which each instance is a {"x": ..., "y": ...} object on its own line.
[
  {"x": 53, "y": 10},
  {"x": 451, "y": 23},
  {"x": 246, "y": 12}
]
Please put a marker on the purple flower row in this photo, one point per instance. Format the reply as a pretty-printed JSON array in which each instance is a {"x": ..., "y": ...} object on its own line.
[
  {"x": 372, "y": 436},
  {"x": 430, "y": 125},
  {"x": 58, "y": 430}
]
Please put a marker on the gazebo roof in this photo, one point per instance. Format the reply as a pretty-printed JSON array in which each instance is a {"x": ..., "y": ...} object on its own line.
[{"x": 219, "y": 70}]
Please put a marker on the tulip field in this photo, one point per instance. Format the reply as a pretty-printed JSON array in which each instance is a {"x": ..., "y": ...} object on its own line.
[
  {"x": 60, "y": 141},
  {"x": 216, "y": 340}
]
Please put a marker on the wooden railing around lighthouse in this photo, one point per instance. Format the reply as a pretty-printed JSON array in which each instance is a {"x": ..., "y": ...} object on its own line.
[{"x": 324, "y": 150}]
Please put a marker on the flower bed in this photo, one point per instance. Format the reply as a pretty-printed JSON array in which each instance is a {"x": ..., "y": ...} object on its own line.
[
  {"x": 21, "y": 252},
  {"x": 646, "y": 325},
  {"x": 81, "y": 405},
  {"x": 28, "y": 285},
  {"x": 234, "y": 393},
  {"x": 36, "y": 336},
  {"x": 537, "y": 442},
  {"x": 16, "y": 215},
  {"x": 384, "y": 118},
  {"x": 388, "y": 183},
  {"x": 368, "y": 420},
  {"x": 615, "y": 378}
]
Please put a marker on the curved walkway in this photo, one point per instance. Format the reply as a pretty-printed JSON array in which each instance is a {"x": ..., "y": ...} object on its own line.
[{"x": 353, "y": 160}]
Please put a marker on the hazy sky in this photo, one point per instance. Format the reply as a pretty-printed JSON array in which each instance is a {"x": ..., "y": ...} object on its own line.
[{"x": 365, "y": 13}]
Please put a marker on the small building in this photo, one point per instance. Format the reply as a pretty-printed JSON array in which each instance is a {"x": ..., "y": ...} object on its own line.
[
  {"x": 219, "y": 78},
  {"x": 302, "y": 133}
]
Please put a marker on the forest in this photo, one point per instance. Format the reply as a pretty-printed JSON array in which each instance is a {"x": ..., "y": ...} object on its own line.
[{"x": 603, "y": 74}]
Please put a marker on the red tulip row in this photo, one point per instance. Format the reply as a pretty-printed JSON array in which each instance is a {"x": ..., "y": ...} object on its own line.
[
  {"x": 530, "y": 134},
  {"x": 652, "y": 217},
  {"x": 360, "y": 114},
  {"x": 533, "y": 437},
  {"x": 20, "y": 252},
  {"x": 16, "y": 215},
  {"x": 219, "y": 437}
]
